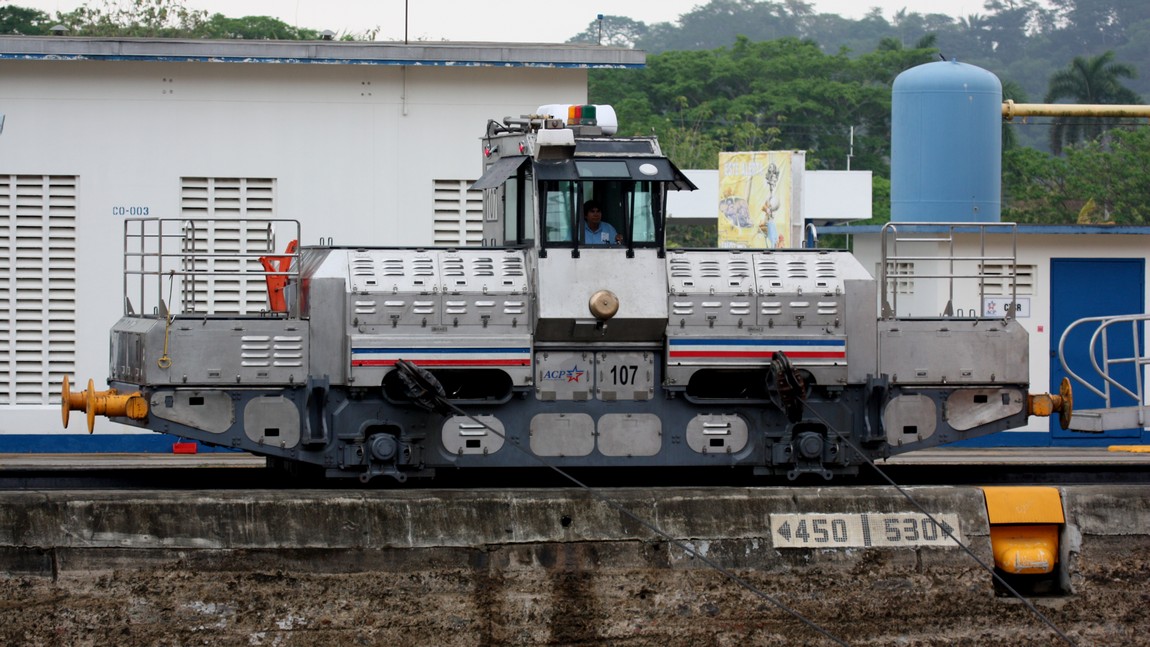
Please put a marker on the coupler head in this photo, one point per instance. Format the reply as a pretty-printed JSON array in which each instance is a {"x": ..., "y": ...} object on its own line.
[{"x": 105, "y": 403}]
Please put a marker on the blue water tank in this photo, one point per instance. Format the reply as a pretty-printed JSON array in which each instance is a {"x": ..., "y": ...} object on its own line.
[{"x": 946, "y": 144}]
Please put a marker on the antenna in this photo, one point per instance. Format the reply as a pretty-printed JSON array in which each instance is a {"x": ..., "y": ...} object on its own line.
[{"x": 851, "y": 151}]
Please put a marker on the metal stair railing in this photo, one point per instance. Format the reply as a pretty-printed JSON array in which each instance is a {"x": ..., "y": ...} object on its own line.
[
  {"x": 174, "y": 267},
  {"x": 972, "y": 267},
  {"x": 1110, "y": 416}
]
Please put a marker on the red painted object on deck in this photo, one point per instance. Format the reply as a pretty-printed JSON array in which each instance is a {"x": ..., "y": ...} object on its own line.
[{"x": 183, "y": 448}]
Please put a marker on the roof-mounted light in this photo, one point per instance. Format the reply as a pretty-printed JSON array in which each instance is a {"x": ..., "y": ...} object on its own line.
[
  {"x": 575, "y": 115},
  {"x": 581, "y": 116}
]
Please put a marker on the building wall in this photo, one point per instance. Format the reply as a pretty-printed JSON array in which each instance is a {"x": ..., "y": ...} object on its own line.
[{"x": 351, "y": 151}]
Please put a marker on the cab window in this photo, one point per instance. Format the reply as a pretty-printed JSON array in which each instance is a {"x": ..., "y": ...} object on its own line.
[{"x": 632, "y": 208}]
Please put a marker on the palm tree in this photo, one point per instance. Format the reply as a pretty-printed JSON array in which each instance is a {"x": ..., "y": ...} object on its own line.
[{"x": 1089, "y": 81}]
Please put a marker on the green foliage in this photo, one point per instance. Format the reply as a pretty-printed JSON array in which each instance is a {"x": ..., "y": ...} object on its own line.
[
  {"x": 24, "y": 21},
  {"x": 1034, "y": 187},
  {"x": 135, "y": 18},
  {"x": 679, "y": 234},
  {"x": 1097, "y": 182},
  {"x": 771, "y": 95},
  {"x": 614, "y": 31},
  {"x": 148, "y": 19},
  {"x": 1022, "y": 40},
  {"x": 253, "y": 28}
]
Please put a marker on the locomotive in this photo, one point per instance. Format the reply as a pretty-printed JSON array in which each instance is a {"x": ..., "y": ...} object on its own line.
[{"x": 547, "y": 345}]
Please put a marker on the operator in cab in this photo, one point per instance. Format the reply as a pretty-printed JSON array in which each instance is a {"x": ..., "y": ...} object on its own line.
[{"x": 595, "y": 231}]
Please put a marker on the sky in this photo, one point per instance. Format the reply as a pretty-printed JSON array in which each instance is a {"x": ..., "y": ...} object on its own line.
[{"x": 511, "y": 21}]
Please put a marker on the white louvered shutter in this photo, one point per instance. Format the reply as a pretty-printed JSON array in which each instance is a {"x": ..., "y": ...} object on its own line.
[
  {"x": 226, "y": 282},
  {"x": 998, "y": 279},
  {"x": 37, "y": 286},
  {"x": 458, "y": 213}
]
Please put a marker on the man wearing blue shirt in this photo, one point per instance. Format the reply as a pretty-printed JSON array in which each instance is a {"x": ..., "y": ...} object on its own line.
[{"x": 595, "y": 231}]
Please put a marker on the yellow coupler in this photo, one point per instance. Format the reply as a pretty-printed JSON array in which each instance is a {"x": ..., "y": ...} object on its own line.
[
  {"x": 1024, "y": 528},
  {"x": 102, "y": 403}
]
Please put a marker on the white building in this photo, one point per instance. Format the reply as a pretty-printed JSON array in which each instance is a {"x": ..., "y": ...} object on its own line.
[{"x": 363, "y": 143}]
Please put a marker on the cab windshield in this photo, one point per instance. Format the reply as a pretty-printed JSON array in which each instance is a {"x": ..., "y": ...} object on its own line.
[{"x": 630, "y": 211}]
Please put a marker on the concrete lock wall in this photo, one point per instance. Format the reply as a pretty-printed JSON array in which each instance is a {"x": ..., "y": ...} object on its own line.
[{"x": 535, "y": 567}]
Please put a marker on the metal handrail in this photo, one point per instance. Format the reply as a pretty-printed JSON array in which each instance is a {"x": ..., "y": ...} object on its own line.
[
  {"x": 159, "y": 253},
  {"x": 1102, "y": 334},
  {"x": 890, "y": 257}
]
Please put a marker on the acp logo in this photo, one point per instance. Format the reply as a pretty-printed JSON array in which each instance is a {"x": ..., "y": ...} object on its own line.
[{"x": 573, "y": 374}]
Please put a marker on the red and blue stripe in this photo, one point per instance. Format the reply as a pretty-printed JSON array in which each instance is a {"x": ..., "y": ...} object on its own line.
[
  {"x": 755, "y": 349},
  {"x": 442, "y": 356}
]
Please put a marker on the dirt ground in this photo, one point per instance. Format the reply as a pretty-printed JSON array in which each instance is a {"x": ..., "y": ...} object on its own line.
[{"x": 634, "y": 594}]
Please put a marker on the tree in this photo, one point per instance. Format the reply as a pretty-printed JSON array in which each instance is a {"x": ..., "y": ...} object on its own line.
[
  {"x": 1093, "y": 80},
  {"x": 253, "y": 28},
  {"x": 138, "y": 18},
  {"x": 780, "y": 94},
  {"x": 1112, "y": 174},
  {"x": 1095, "y": 182},
  {"x": 168, "y": 18},
  {"x": 1010, "y": 22},
  {"x": 23, "y": 21},
  {"x": 1034, "y": 187},
  {"x": 616, "y": 31},
  {"x": 173, "y": 19},
  {"x": 720, "y": 22}
]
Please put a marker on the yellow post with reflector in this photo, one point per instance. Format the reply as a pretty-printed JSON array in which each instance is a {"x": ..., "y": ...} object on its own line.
[{"x": 1025, "y": 523}]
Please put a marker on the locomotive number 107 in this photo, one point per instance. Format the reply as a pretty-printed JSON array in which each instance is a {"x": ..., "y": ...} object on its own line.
[{"x": 623, "y": 374}]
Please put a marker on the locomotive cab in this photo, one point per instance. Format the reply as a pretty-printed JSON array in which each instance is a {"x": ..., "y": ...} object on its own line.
[{"x": 537, "y": 195}]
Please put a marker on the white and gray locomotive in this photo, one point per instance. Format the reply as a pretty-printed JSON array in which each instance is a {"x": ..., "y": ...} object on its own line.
[{"x": 397, "y": 362}]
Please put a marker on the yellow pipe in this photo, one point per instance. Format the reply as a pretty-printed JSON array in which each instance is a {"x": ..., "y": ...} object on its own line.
[
  {"x": 1010, "y": 110},
  {"x": 104, "y": 403}
]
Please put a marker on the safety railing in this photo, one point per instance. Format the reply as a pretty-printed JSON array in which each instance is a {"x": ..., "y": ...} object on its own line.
[
  {"x": 1105, "y": 360},
  {"x": 908, "y": 247},
  {"x": 209, "y": 267}
]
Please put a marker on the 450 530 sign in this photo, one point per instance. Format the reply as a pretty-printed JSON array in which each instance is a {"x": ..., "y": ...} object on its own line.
[{"x": 864, "y": 530}]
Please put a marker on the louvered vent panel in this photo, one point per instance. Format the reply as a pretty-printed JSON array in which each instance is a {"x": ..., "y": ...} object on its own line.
[
  {"x": 37, "y": 286},
  {"x": 224, "y": 252},
  {"x": 997, "y": 279},
  {"x": 458, "y": 214}
]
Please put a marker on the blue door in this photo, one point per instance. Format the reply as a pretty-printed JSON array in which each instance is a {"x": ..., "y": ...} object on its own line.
[{"x": 1093, "y": 287}]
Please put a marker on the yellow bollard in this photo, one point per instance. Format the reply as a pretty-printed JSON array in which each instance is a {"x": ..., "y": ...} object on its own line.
[{"x": 1024, "y": 526}]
